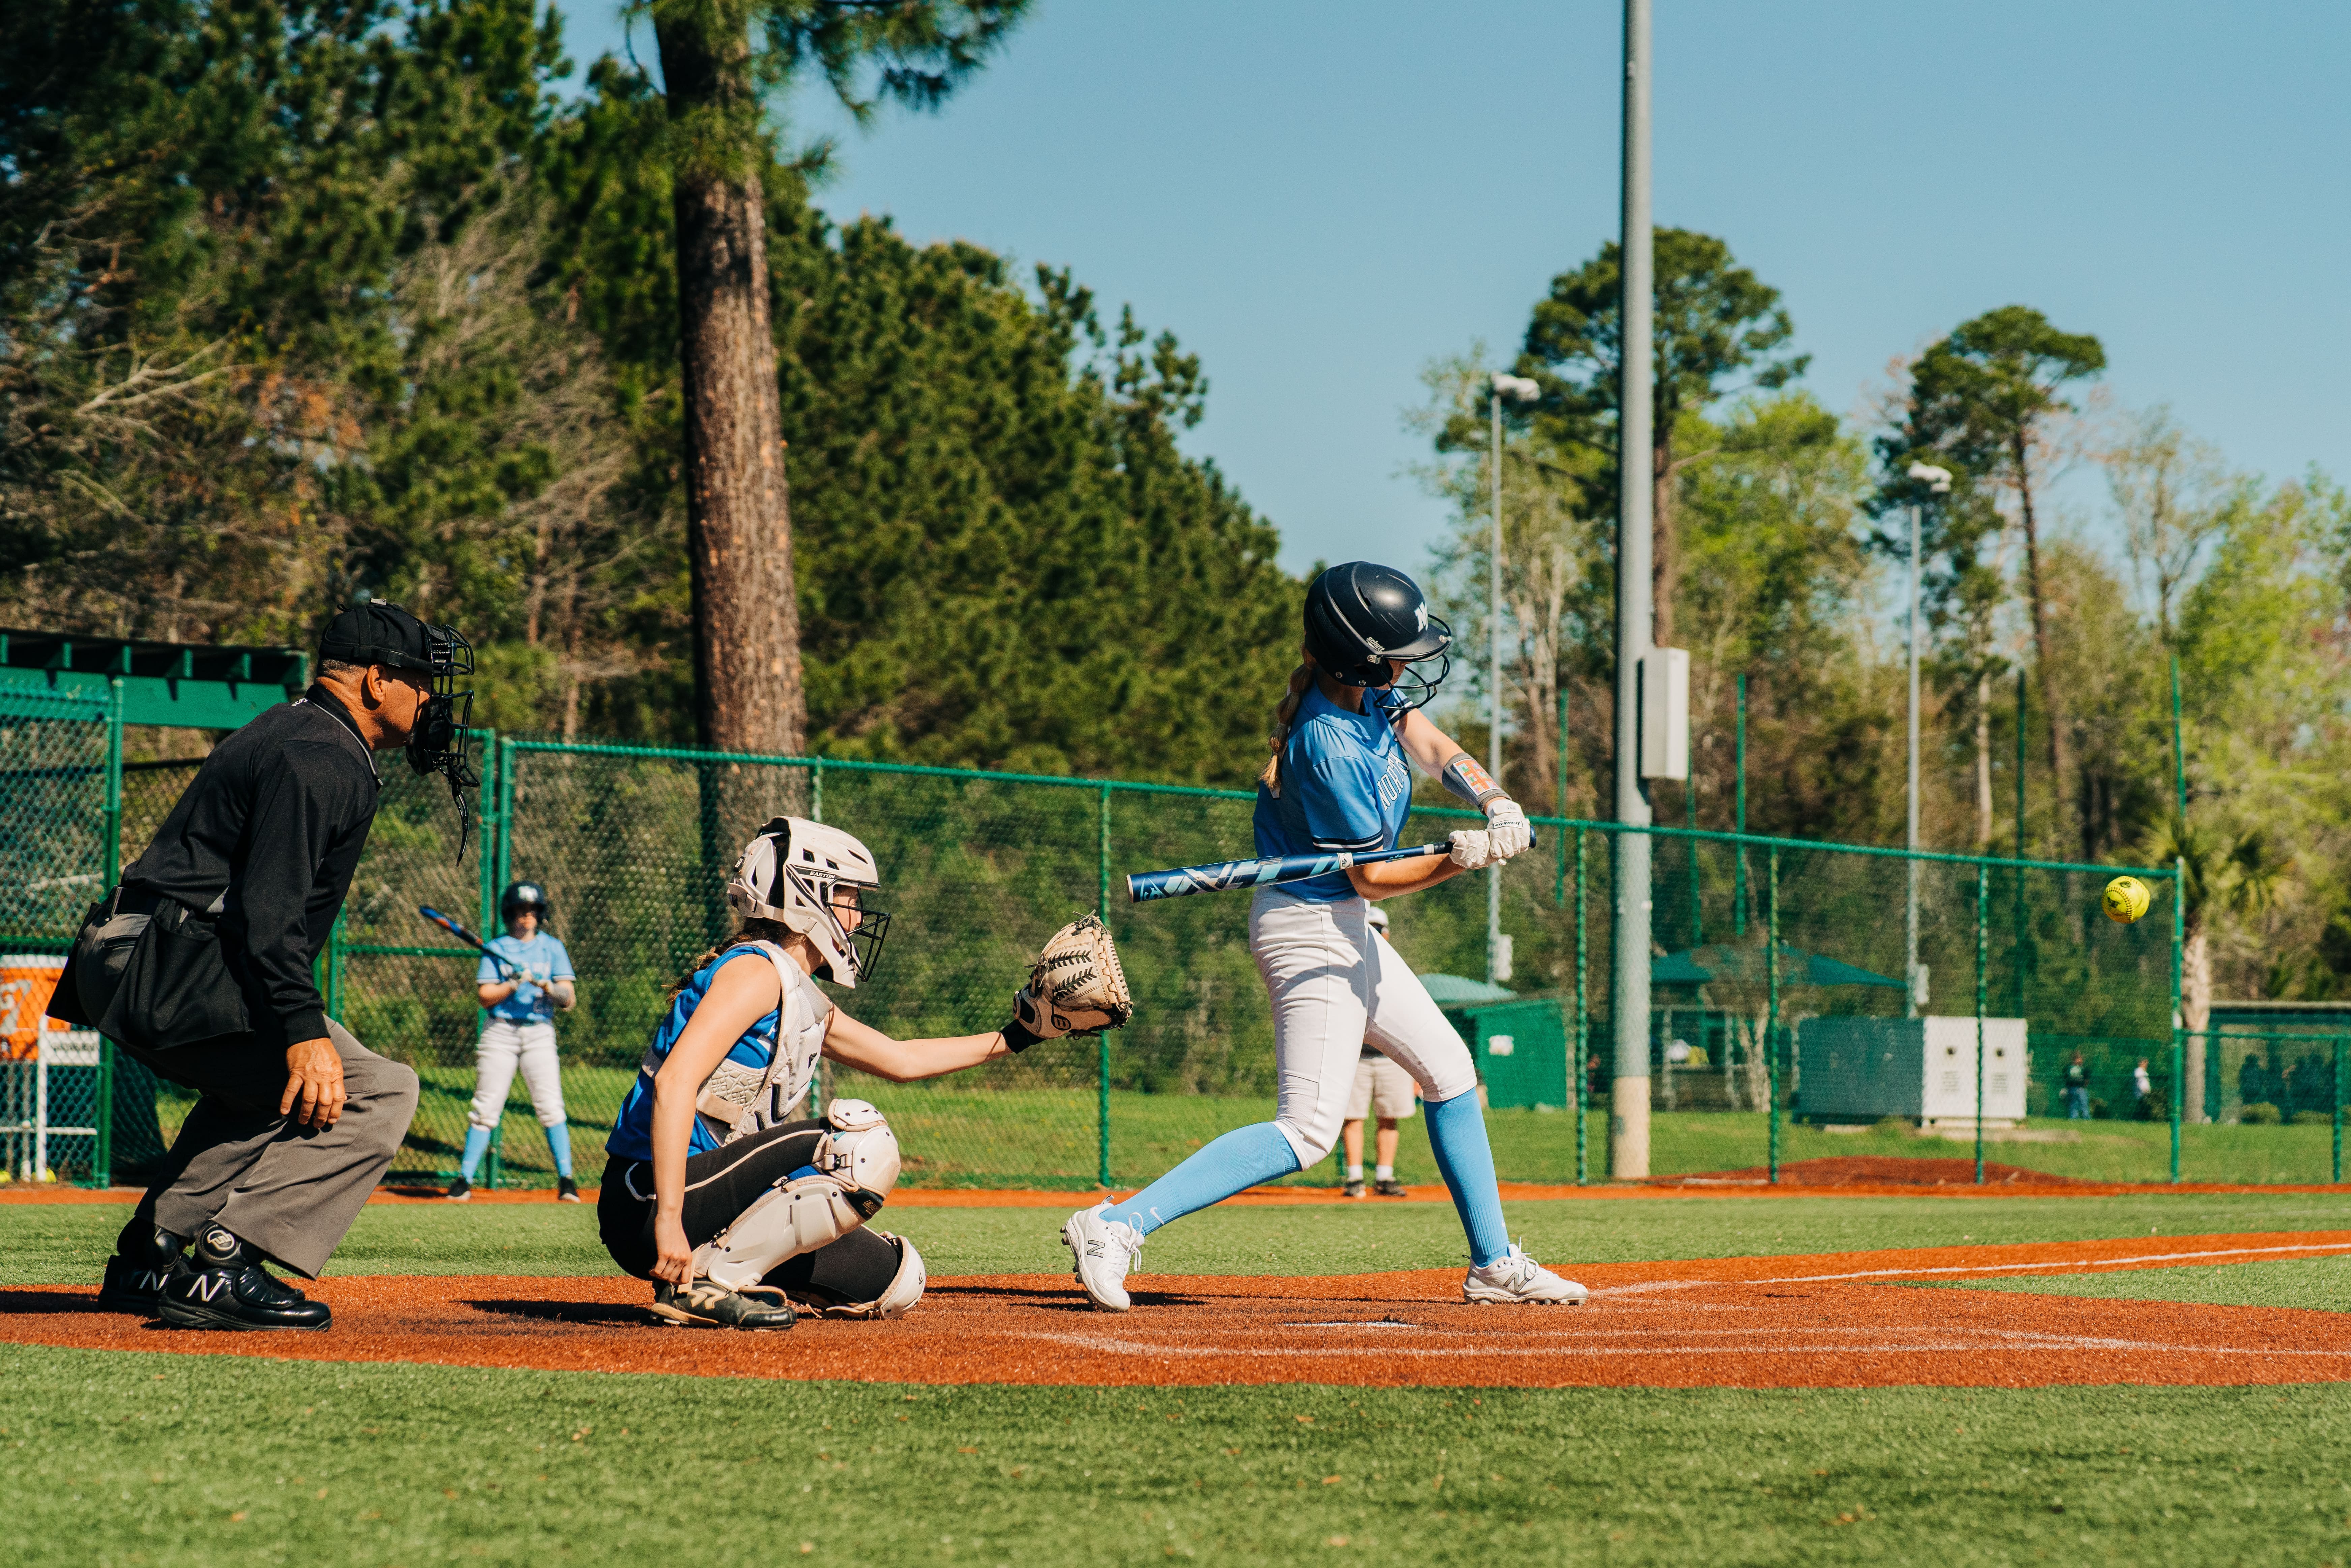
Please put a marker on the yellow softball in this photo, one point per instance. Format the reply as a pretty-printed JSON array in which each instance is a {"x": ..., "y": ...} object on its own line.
[{"x": 2127, "y": 899}]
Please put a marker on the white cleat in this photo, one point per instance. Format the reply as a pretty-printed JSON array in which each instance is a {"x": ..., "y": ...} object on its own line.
[
  {"x": 1515, "y": 1278},
  {"x": 1102, "y": 1251}
]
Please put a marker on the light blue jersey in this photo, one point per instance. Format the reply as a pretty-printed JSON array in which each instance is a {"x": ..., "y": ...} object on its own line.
[
  {"x": 540, "y": 953},
  {"x": 1345, "y": 785},
  {"x": 633, "y": 1129}
]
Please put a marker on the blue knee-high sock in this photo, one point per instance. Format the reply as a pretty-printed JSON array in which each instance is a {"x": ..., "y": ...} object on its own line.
[
  {"x": 1233, "y": 1163},
  {"x": 559, "y": 1144},
  {"x": 1457, "y": 1133},
  {"x": 478, "y": 1143}
]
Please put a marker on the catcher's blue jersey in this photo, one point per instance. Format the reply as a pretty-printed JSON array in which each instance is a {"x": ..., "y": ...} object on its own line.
[
  {"x": 1345, "y": 785},
  {"x": 633, "y": 1129}
]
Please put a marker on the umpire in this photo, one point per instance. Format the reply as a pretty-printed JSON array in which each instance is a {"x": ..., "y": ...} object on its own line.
[{"x": 199, "y": 963}]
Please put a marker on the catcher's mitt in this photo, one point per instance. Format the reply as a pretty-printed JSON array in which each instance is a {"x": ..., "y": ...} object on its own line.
[{"x": 1076, "y": 986}]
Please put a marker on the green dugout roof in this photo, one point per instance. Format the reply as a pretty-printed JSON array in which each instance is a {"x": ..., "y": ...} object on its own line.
[{"x": 183, "y": 684}]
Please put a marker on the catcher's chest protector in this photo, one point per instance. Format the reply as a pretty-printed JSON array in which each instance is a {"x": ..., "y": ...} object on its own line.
[{"x": 737, "y": 1100}]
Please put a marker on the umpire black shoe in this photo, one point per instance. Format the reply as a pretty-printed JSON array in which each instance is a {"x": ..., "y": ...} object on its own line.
[
  {"x": 136, "y": 1284},
  {"x": 222, "y": 1285}
]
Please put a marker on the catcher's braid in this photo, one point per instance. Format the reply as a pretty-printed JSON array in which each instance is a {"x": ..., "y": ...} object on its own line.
[{"x": 1076, "y": 986}]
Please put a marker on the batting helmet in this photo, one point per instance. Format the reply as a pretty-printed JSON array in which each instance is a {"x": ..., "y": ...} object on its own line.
[
  {"x": 1358, "y": 616},
  {"x": 519, "y": 896}
]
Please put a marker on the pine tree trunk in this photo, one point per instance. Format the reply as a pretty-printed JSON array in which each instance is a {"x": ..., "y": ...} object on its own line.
[
  {"x": 2196, "y": 1010},
  {"x": 2052, "y": 691},
  {"x": 747, "y": 656}
]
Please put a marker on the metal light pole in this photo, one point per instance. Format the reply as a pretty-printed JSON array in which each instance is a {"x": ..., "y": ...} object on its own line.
[
  {"x": 1937, "y": 482},
  {"x": 1517, "y": 389},
  {"x": 1628, "y": 1121}
]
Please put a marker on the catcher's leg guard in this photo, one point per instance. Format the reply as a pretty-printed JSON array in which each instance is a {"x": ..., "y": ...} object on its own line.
[
  {"x": 845, "y": 1184},
  {"x": 866, "y": 1274}
]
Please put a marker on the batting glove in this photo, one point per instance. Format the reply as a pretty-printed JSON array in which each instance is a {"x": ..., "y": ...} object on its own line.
[
  {"x": 1507, "y": 827},
  {"x": 1473, "y": 849}
]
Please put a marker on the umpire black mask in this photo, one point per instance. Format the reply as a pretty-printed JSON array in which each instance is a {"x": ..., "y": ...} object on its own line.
[{"x": 381, "y": 634}]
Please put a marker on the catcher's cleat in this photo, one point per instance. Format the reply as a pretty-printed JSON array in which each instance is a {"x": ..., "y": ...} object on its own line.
[
  {"x": 1352, "y": 1190},
  {"x": 1515, "y": 1279},
  {"x": 1101, "y": 1250},
  {"x": 565, "y": 1191},
  {"x": 222, "y": 1285},
  {"x": 136, "y": 1284},
  {"x": 460, "y": 1191},
  {"x": 707, "y": 1304},
  {"x": 1388, "y": 1186}
]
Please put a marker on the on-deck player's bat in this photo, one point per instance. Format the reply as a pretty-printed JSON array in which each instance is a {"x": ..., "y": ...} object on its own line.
[
  {"x": 1222, "y": 876},
  {"x": 468, "y": 938}
]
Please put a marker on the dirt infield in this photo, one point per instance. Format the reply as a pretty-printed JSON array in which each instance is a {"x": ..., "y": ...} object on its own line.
[{"x": 1826, "y": 1320}]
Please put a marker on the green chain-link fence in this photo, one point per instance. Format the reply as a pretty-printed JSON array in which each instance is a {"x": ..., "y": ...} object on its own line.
[{"x": 1781, "y": 1033}]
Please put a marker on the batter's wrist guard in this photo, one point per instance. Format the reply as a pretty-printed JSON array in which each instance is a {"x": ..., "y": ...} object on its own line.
[{"x": 1466, "y": 779}]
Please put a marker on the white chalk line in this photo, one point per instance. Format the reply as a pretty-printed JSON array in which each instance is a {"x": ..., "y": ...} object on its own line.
[
  {"x": 2039, "y": 1267},
  {"x": 1519, "y": 1349}
]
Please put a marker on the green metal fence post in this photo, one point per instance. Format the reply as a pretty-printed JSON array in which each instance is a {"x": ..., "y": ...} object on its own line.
[
  {"x": 1771, "y": 1010},
  {"x": 101, "y": 1157},
  {"x": 816, "y": 790},
  {"x": 491, "y": 880},
  {"x": 1583, "y": 1017},
  {"x": 1559, "y": 805},
  {"x": 1739, "y": 855},
  {"x": 1983, "y": 929},
  {"x": 1698, "y": 917},
  {"x": 2179, "y": 1038},
  {"x": 2338, "y": 1111},
  {"x": 1101, "y": 1041}
]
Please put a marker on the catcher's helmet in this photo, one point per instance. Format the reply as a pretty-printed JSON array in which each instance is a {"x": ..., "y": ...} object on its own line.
[
  {"x": 519, "y": 896},
  {"x": 791, "y": 873},
  {"x": 1358, "y": 616}
]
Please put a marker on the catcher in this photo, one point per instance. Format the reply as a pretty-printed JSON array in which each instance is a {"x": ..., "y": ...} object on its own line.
[{"x": 714, "y": 1193}]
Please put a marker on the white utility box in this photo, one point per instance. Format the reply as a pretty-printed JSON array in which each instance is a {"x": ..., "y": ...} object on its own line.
[
  {"x": 1858, "y": 1070},
  {"x": 1665, "y": 713}
]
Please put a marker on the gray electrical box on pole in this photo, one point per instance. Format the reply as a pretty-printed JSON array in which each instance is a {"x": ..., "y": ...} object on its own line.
[{"x": 1628, "y": 1119}]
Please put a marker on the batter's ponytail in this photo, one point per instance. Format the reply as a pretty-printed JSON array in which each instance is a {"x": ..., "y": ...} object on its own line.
[{"x": 1284, "y": 714}]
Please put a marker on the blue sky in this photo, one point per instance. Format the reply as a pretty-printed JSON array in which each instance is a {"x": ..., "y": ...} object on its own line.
[{"x": 1318, "y": 198}]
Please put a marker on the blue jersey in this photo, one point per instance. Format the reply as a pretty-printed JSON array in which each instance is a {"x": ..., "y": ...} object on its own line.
[
  {"x": 542, "y": 955},
  {"x": 633, "y": 1129},
  {"x": 1345, "y": 785}
]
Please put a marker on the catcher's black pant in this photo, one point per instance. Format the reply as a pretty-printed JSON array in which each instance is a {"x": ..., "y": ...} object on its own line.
[{"x": 722, "y": 1184}]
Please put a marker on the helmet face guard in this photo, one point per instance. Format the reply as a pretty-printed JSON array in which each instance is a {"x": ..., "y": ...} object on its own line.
[
  {"x": 802, "y": 873},
  {"x": 437, "y": 743}
]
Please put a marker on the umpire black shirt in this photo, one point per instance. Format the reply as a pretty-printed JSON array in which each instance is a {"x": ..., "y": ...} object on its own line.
[{"x": 267, "y": 836}]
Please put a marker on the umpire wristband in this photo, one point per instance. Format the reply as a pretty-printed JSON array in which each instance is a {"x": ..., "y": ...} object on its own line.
[{"x": 1019, "y": 1037}]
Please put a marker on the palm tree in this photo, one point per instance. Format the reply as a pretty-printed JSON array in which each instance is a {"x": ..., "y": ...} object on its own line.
[{"x": 2221, "y": 873}]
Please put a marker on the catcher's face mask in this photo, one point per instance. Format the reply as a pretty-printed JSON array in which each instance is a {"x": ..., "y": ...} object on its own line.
[{"x": 437, "y": 744}]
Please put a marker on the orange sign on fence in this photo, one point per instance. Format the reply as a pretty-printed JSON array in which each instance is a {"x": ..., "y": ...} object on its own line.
[{"x": 28, "y": 981}]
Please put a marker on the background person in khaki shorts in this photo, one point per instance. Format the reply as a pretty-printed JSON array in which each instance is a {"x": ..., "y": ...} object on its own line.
[{"x": 1382, "y": 1089}]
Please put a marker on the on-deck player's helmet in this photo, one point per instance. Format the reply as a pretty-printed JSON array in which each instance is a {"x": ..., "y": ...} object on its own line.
[
  {"x": 790, "y": 873},
  {"x": 519, "y": 896},
  {"x": 1358, "y": 616},
  {"x": 1376, "y": 916}
]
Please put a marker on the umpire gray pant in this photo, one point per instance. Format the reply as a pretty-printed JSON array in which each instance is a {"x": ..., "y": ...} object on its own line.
[{"x": 289, "y": 1190}]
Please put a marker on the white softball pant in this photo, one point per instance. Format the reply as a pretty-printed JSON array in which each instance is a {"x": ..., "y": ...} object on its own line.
[
  {"x": 1337, "y": 986},
  {"x": 503, "y": 1047}
]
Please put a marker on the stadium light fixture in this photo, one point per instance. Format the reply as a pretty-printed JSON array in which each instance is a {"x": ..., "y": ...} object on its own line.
[{"x": 1938, "y": 483}]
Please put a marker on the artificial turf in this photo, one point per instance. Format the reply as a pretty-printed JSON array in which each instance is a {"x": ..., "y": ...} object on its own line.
[
  {"x": 136, "y": 1457},
  {"x": 2320, "y": 1284},
  {"x": 68, "y": 1243}
]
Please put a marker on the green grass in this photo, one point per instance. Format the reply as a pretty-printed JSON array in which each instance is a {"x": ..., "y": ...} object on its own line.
[
  {"x": 136, "y": 1457},
  {"x": 2320, "y": 1284},
  {"x": 68, "y": 1243},
  {"x": 960, "y": 1136}
]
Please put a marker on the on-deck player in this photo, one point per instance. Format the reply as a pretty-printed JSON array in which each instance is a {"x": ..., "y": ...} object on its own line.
[
  {"x": 1341, "y": 779},
  {"x": 732, "y": 1209},
  {"x": 520, "y": 997}
]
